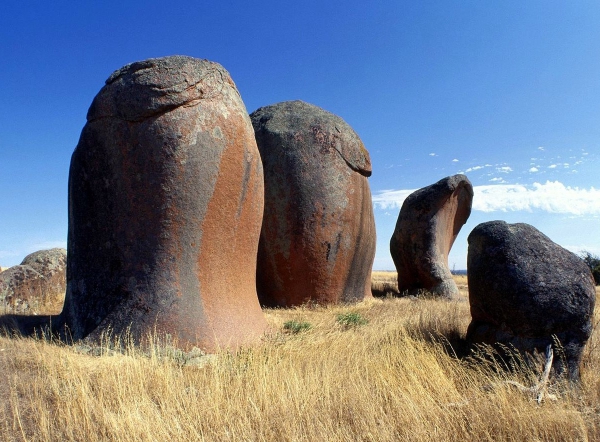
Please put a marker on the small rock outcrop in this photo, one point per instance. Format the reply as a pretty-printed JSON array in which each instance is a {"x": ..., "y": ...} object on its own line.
[
  {"x": 317, "y": 242},
  {"x": 526, "y": 291},
  {"x": 40, "y": 280},
  {"x": 165, "y": 208},
  {"x": 429, "y": 222}
]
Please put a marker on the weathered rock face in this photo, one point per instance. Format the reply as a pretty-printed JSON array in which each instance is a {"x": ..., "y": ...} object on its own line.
[
  {"x": 524, "y": 289},
  {"x": 429, "y": 222},
  {"x": 165, "y": 208},
  {"x": 39, "y": 280},
  {"x": 317, "y": 242}
]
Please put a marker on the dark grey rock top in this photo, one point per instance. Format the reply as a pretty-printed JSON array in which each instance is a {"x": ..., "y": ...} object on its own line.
[
  {"x": 289, "y": 118},
  {"x": 145, "y": 88}
]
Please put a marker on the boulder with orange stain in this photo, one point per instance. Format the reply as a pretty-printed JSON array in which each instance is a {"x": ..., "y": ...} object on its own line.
[
  {"x": 317, "y": 242},
  {"x": 429, "y": 222},
  {"x": 165, "y": 208}
]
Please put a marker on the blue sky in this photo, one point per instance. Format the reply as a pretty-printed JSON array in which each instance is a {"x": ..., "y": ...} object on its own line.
[{"x": 506, "y": 92}]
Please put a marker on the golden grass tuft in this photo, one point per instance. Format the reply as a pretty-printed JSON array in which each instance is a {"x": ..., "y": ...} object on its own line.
[
  {"x": 384, "y": 283},
  {"x": 392, "y": 379}
]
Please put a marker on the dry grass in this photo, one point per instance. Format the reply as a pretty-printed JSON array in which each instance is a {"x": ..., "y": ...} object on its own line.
[
  {"x": 385, "y": 283},
  {"x": 391, "y": 379}
]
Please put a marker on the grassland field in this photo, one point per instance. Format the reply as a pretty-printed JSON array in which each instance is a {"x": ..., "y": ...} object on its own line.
[{"x": 388, "y": 369}]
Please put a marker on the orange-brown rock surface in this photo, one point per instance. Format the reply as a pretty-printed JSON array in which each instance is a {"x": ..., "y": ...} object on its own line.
[
  {"x": 165, "y": 208},
  {"x": 429, "y": 222},
  {"x": 317, "y": 242}
]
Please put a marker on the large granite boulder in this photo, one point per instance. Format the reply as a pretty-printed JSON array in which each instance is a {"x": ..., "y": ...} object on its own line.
[
  {"x": 39, "y": 281},
  {"x": 317, "y": 242},
  {"x": 429, "y": 222},
  {"x": 526, "y": 291},
  {"x": 165, "y": 208}
]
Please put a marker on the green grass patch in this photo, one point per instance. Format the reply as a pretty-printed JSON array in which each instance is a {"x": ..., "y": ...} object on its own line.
[
  {"x": 296, "y": 326},
  {"x": 351, "y": 319}
]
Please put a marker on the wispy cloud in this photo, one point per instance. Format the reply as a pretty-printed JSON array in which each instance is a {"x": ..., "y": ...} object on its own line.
[
  {"x": 390, "y": 199},
  {"x": 551, "y": 197},
  {"x": 474, "y": 168},
  {"x": 504, "y": 169},
  {"x": 432, "y": 154}
]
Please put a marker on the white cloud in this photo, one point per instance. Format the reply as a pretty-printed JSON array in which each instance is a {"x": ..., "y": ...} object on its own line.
[
  {"x": 471, "y": 169},
  {"x": 497, "y": 180},
  {"x": 534, "y": 169},
  {"x": 390, "y": 199},
  {"x": 580, "y": 248},
  {"x": 541, "y": 148},
  {"x": 551, "y": 197},
  {"x": 432, "y": 154},
  {"x": 455, "y": 160},
  {"x": 504, "y": 169},
  {"x": 552, "y": 166}
]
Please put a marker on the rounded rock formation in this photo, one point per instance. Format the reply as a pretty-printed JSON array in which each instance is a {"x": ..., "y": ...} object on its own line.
[
  {"x": 317, "y": 242},
  {"x": 165, "y": 208},
  {"x": 38, "y": 282},
  {"x": 429, "y": 222},
  {"x": 527, "y": 291}
]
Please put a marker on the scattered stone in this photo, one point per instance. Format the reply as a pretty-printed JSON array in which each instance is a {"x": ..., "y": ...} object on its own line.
[
  {"x": 165, "y": 208},
  {"x": 526, "y": 291},
  {"x": 39, "y": 280},
  {"x": 429, "y": 222},
  {"x": 317, "y": 241}
]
